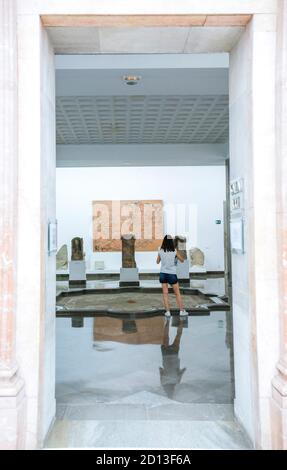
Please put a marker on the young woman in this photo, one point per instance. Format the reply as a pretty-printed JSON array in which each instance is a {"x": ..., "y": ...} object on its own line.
[{"x": 168, "y": 257}]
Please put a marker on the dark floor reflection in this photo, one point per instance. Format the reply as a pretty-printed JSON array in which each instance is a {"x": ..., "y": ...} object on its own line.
[
  {"x": 170, "y": 372},
  {"x": 145, "y": 361}
]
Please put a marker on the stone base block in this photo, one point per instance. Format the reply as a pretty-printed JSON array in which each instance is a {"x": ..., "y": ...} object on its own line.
[
  {"x": 12, "y": 416},
  {"x": 197, "y": 269},
  {"x": 129, "y": 277},
  {"x": 182, "y": 271},
  {"x": 183, "y": 282},
  {"x": 77, "y": 283},
  {"x": 279, "y": 413},
  {"x": 77, "y": 273},
  {"x": 129, "y": 284}
]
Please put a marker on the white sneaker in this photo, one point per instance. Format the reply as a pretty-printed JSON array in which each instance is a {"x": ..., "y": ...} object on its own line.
[
  {"x": 183, "y": 313},
  {"x": 167, "y": 313}
]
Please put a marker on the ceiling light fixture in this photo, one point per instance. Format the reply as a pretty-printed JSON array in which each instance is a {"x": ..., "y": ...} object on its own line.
[{"x": 131, "y": 79}]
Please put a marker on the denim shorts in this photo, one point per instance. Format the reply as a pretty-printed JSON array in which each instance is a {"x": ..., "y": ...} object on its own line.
[{"x": 165, "y": 278}]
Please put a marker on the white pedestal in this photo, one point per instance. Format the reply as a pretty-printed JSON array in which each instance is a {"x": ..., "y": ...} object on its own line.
[
  {"x": 129, "y": 277},
  {"x": 77, "y": 272},
  {"x": 197, "y": 269},
  {"x": 182, "y": 270}
]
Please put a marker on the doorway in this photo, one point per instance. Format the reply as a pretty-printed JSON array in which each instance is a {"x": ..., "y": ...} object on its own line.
[{"x": 242, "y": 154}]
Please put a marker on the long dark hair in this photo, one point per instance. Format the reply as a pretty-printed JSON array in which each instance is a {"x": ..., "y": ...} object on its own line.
[{"x": 167, "y": 244}]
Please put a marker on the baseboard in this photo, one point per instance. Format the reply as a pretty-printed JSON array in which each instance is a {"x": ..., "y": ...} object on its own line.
[
  {"x": 50, "y": 428},
  {"x": 142, "y": 276},
  {"x": 243, "y": 428}
]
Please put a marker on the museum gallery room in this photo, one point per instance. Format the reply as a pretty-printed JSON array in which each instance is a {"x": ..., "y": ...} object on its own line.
[{"x": 142, "y": 151}]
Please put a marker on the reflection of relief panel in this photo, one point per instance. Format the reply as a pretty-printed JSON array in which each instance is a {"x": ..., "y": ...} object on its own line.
[{"x": 129, "y": 331}]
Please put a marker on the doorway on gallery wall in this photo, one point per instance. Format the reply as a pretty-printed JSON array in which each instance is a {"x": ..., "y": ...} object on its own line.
[
  {"x": 160, "y": 142},
  {"x": 136, "y": 128}
]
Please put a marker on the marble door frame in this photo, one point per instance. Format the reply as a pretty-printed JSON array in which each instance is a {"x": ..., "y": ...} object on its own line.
[{"x": 32, "y": 342}]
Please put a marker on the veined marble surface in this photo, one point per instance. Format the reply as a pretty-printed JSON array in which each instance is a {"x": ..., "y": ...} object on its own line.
[
  {"x": 148, "y": 435},
  {"x": 133, "y": 384}
]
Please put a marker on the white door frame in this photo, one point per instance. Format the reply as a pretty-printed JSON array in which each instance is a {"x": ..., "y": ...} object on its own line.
[{"x": 255, "y": 289}]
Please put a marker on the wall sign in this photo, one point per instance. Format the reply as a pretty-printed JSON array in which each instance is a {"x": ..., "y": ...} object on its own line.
[
  {"x": 236, "y": 195},
  {"x": 236, "y": 186},
  {"x": 237, "y": 235},
  {"x": 52, "y": 237}
]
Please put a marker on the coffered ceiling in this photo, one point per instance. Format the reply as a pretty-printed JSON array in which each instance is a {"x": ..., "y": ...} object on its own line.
[{"x": 142, "y": 119}]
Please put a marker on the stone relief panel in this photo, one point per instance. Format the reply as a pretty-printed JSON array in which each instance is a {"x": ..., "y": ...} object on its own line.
[
  {"x": 62, "y": 258},
  {"x": 113, "y": 219},
  {"x": 128, "y": 251},
  {"x": 77, "y": 249},
  {"x": 180, "y": 245},
  {"x": 196, "y": 257}
]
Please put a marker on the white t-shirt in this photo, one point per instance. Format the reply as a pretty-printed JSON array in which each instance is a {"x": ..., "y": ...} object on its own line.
[{"x": 168, "y": 261}]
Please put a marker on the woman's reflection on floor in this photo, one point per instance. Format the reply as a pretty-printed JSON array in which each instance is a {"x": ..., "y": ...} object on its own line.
[{"x": 170, "y": 372}]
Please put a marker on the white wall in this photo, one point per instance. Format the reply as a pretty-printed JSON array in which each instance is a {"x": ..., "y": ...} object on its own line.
[
  {"x": 200, "y": 188},
  {"x": 255, "y": 289},
  {"x": 240, "y": 166},
  {"x": 36, "y": 289},
  {"x": 141, "y": 155},
  {"x": 48, "y": 149}
]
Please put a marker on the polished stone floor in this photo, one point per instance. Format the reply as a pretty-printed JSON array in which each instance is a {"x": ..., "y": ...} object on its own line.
[
  {"x": 145, "y": 383},
  {"x": 123, "y": 434}
]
